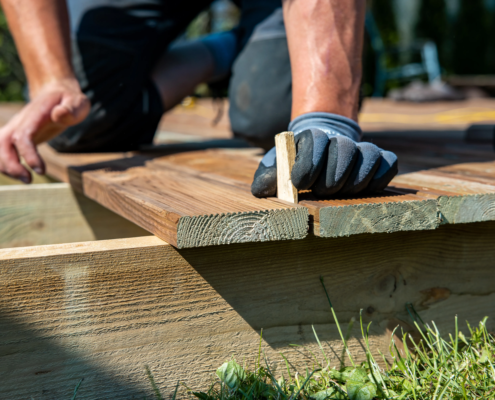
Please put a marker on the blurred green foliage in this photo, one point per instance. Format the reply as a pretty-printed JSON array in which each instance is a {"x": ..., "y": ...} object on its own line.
[
  {"x": 12, "y": 78},
  {"x": 472, "y": 39},
  {"x": 383, "y": 13},
  {"x": 433, "y": 24}
]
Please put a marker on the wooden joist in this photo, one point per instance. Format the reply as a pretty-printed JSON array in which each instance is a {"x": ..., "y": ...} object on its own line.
[
  {"x": 33, "y": 215},
  {"x": 102, "y": 310}
]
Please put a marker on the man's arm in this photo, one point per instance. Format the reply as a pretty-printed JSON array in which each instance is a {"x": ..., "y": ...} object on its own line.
[
  {"x": 41, "y": 32},
  {"x": 325, "y": 39}
]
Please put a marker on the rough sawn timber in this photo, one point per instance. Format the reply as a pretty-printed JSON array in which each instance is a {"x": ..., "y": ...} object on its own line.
[
  {"x": 389, "y": 212},
  {"x": 459, "y": 200},
  {"x": 417, "y": 201},
  {"x": 33, "y": 215},
  {"x": 191, "y": 211},
  {"x": 102, "y": 310}
]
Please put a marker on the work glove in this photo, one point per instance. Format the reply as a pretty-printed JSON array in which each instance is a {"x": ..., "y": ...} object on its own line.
[{"x": 329, "y": 159}]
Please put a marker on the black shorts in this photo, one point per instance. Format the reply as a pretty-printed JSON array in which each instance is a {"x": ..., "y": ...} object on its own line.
[{"x": 115, "y": 49}]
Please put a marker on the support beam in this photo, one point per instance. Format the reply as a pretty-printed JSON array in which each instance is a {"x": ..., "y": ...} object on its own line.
[
  {"x": 102, "y": 310},
  {"x": 53, "y": 213}
]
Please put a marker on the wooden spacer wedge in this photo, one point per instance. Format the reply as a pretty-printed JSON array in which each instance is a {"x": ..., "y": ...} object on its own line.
[{"x": 286, "y": 157}]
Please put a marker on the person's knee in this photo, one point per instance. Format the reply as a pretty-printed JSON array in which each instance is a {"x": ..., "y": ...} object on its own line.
[{"x": 260, "y": 90}]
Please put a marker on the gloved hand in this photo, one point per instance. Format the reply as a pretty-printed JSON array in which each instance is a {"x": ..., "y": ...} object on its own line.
[{"x": 329, "y": 159}]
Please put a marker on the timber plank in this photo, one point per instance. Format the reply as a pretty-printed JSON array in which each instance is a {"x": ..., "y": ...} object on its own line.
[
  {"x": 330, "y": 218},
  {"x": 102, "y": 310},
  {"x": 191, "y": 211},
  {"x": 58, "y": 164},
  {"x": 384, "y": 214},
  {"x": 53, "y": 213},
  {"x": 413, "y": 202},
  {"x": 459, "y": 200}
]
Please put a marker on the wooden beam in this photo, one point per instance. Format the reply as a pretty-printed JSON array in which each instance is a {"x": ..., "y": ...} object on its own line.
[
  {"x": 102, "y": 310},
  {"x": 58, "y": 164},
  {"x": 286, "y": 157},
  {"x": 52, "y": 213}
]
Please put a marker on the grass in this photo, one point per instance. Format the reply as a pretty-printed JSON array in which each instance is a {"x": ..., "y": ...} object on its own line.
[{"x": 432, "y": 368}]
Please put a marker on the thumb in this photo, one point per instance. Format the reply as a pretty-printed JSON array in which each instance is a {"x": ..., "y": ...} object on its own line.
[
  {"x": 71, "y": 110},
  {"x": 265, "y": 178}
]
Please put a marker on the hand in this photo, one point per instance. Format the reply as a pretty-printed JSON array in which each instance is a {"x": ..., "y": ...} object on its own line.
[
  {"x": 54, "y": 107},
  {"x": 329, "y": 160}
]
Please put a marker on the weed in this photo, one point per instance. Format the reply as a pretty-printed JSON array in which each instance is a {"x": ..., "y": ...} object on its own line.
[{"x": 432, "y": 368}]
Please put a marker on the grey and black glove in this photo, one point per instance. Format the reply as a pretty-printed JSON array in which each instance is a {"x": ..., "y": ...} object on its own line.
[{"x": 329, "y": 159}]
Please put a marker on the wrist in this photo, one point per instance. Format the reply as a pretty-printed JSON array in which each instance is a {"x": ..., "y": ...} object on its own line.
[
  {"x": 331, "y": 124},
  {"x": 53, "y": 83}
]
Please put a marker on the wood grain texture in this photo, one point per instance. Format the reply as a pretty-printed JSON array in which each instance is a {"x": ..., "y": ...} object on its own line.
[
  {"x": 286, "y": 157},
  {"x": 459, "y": 195},
  {"x": 331, "y": 218},
  {"x": 383, "y": 214},
  {"x": 53, "y": 213},
  {"x": 388, "y": 115},
  {"x": 459, "y": 200},
  {"x": 102, "y": 310},
  {"x": 193, "y": 211},
  {"x": 58, "y": 164}
]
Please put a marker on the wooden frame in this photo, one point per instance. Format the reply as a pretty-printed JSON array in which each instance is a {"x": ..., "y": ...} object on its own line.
[
  {"x": 102, "y": 310},
  {"x": 53, "y": 213}
]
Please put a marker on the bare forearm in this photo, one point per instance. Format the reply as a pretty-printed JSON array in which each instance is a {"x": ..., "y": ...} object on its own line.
[
  {"x": 325, "y": 40},
  {"x": 42, "y": 35}
]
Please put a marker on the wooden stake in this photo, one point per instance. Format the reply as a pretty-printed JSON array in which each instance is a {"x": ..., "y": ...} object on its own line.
[{"x": 286, "y": 156}]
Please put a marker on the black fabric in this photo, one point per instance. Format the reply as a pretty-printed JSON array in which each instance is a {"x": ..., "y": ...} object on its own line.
[
  {"x": 260, "y": 90},
  {"x": 114, "y": 52},
  {"x": 115, "y": 49}
]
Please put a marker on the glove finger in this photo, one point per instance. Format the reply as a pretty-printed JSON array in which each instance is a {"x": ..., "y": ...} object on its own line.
[
  {"x": 389, "y": 167},
  {"x": 265, "y": 178},
  {"x": 368, "y": 161},
  {"x": 311, "y": 146},
  {"x": 342, "y": 155}
]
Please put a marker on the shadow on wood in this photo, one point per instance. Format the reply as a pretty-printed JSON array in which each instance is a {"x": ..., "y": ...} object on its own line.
[
  {"x": 34, "y": 215},
  {"x": 101, "y": 310}
]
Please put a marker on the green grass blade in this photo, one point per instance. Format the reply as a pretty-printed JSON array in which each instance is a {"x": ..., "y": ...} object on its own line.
[
  {"x": 337, "y": 322},
  {"x": 76, "y": 389},
  {"x": 153, "y": 384}
]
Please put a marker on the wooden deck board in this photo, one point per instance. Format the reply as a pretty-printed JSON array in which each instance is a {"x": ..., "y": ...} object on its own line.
[
  {"x": 155, "y": 191},
  {"x": 146, "y": 188}
]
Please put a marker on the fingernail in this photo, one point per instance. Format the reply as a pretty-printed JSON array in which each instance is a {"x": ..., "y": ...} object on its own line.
[
  {"x": 38, "y": 170},
  {"x": 24, "y": 179}
]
